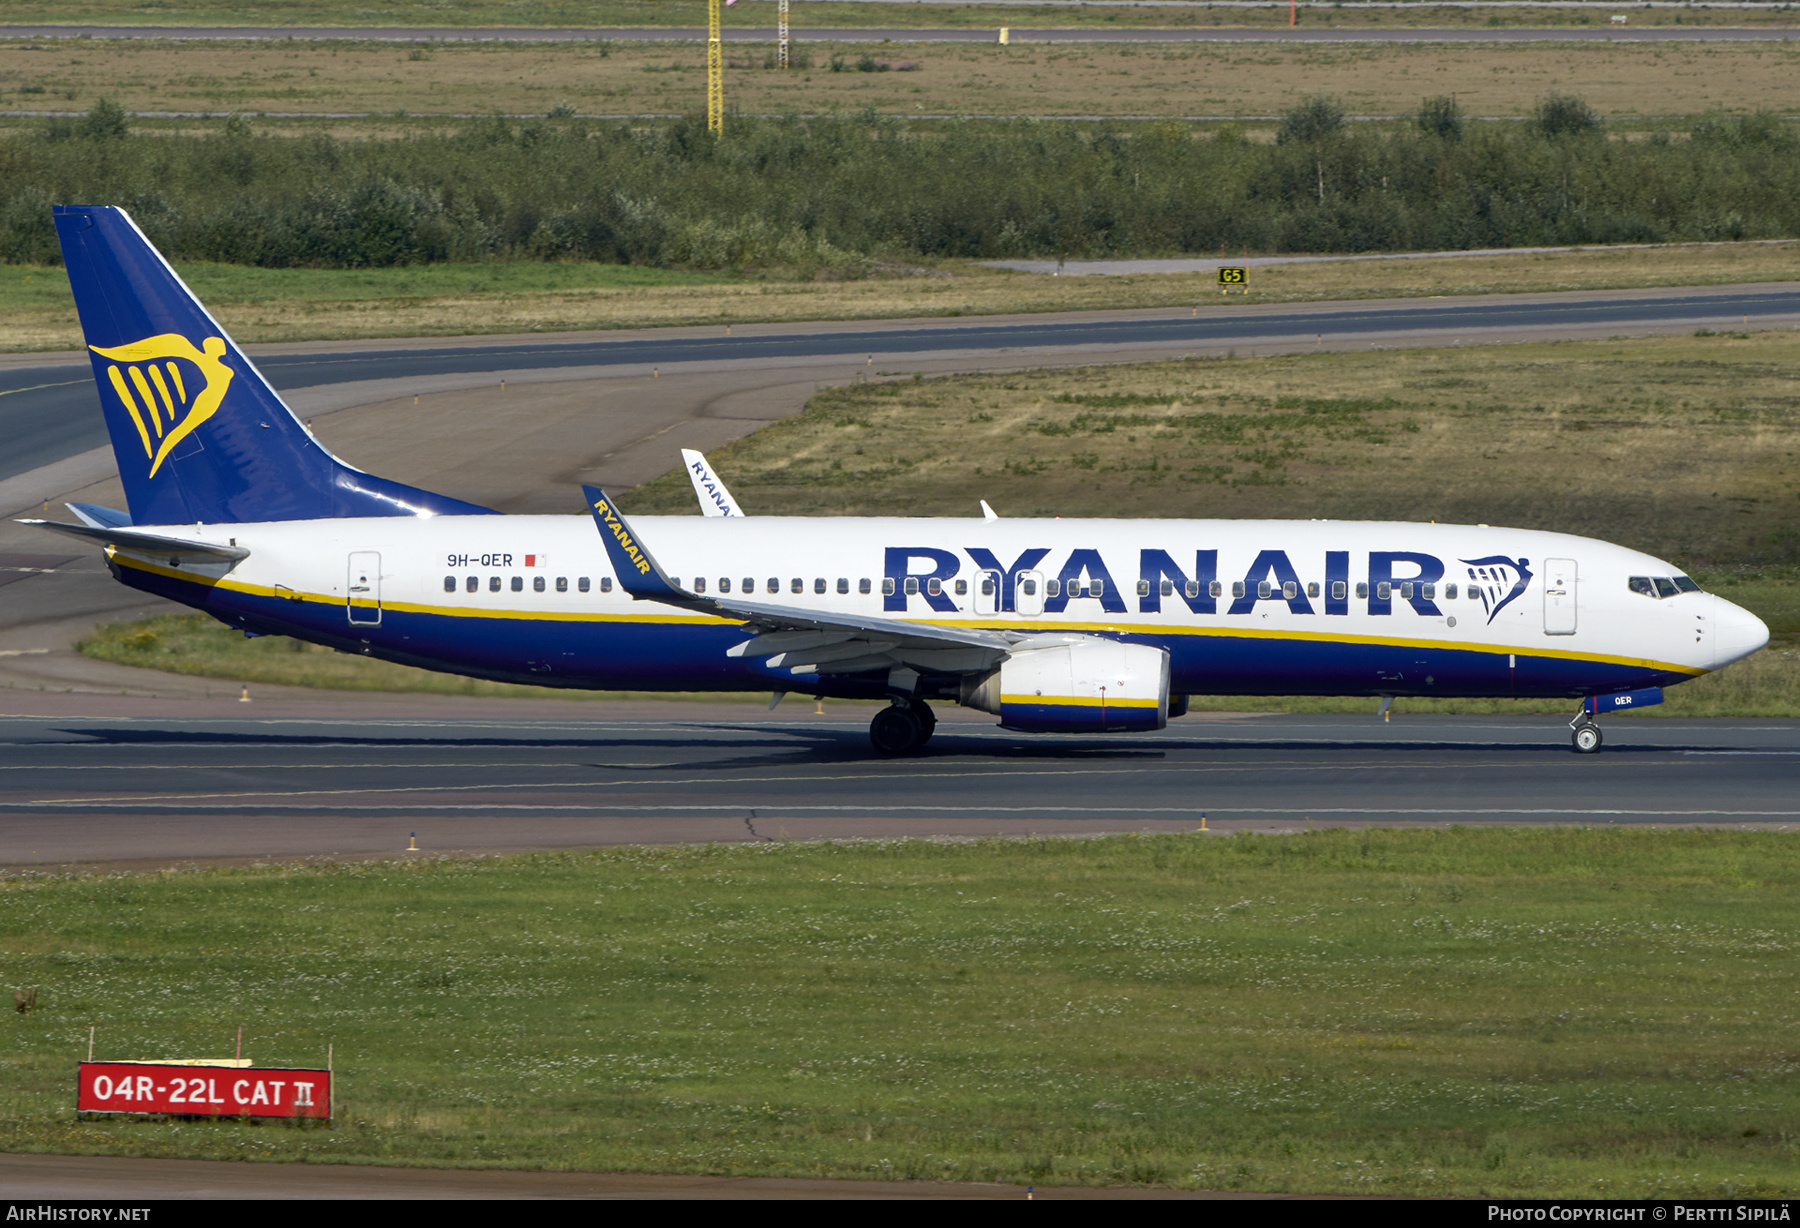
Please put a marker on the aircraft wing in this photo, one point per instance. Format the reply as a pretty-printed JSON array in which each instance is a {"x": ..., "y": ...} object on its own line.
[
  {"x": 805, "y": 641},
  {"x": 126, "y": 538}
]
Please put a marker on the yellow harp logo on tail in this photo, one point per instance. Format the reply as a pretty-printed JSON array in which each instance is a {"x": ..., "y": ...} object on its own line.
[{"x": 165, "y": 410}]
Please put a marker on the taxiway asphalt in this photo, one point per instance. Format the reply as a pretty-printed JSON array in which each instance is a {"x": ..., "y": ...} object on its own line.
[{"x": 51, "y": 412}]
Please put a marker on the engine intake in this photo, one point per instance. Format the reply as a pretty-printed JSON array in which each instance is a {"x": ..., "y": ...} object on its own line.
[{"x": 1088, "y": 686}]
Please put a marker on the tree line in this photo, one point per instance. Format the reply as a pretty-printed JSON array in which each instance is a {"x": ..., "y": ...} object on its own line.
[{"x": 844, "y": 191}]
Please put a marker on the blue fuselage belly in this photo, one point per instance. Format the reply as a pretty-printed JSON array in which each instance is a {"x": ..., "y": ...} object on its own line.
[{"x": 623, "y": 654}]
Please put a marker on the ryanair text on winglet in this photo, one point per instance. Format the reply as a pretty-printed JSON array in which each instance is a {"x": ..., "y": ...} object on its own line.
[{"x": 622, "y": 537}]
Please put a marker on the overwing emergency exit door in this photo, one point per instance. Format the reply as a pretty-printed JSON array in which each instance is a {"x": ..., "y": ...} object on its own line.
[
  {"x": 362, "y": 595},
  {"x": 1559, "y": 596}
]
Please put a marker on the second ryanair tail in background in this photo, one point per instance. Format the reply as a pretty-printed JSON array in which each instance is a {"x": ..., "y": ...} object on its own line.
[{"x": 199, "y": 434}]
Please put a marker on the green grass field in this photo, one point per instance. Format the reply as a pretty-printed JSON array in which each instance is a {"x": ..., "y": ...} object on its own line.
[
  {"x": 761, "y": 13},
  {"x": 1514, "y": 1011}
]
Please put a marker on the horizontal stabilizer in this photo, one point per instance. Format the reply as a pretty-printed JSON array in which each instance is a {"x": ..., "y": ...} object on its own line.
[
  {"x": 98, "y": 517},
  {"x": 142, "y": 542}
]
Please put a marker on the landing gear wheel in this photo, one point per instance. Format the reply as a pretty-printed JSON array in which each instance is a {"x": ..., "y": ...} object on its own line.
[
  {"x": 1587, "y": 739},
  {"x": 894, "y": 731},
  {"x": 927, "y": 720}
]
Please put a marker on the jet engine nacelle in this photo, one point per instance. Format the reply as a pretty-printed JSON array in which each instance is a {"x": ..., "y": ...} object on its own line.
[{"x": 1082, "y": 686}]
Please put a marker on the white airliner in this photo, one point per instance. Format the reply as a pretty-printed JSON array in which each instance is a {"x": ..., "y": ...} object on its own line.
[{"x": 1073, "y": 626}]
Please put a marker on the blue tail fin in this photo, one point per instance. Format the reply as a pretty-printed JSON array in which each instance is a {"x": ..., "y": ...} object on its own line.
[{"x": 200, "y": 436}]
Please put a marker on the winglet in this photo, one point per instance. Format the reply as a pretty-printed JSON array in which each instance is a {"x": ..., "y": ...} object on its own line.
[
  {"x": 638, "y": 573},
  {"x": 715, "y": 500},
  {"x": 988, "y": 513}
]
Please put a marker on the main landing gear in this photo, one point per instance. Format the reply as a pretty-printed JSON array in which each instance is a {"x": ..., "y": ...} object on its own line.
[
  {"x": 904, "y": 727},
  {"x": 1584, "y": 733}
]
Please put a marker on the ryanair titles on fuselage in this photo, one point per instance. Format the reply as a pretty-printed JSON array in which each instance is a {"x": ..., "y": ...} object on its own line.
[{"x": 1328, "y": 588}]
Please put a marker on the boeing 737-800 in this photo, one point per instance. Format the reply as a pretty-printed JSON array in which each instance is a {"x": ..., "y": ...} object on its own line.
[{"x": 1075, "y": 626}]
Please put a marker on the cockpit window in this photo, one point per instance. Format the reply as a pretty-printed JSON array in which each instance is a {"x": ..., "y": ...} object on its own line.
[{"x": 1661, "y": 587}]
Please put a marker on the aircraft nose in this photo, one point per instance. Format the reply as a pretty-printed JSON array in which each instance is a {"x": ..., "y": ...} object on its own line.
[{"x": 1736, "y": 633}]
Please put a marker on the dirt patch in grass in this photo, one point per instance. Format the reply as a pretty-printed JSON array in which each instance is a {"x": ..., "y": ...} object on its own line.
[{"x": 1620, "y": 80}]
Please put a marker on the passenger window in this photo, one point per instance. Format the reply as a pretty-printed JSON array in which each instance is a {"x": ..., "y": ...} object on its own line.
[
  {"x": 1312, "y": 590},
  {"x": 1263, "y": 591},
  {"x": 582, "y": 584},
  {"x": 1054, "y": 587},
  {"x": 843, "y": 586},
  {"x": 1215, "y": 589},
  {"x": 449, "y": 584},
  {"x": 1362, "y": 589},
  {"x": 1030, "y": 587},
  {"x": 1641, "y": 584},
  {"x": 863, "y": 586},
  {"x": 724, "y": 584},
  {"x": 1144, "y": 588},
  {"x": 605, "y": 584},
  {"x": 962, "y": 588},
  {"x": 1096, "y": 588},
  {"x": 1406, "y": 591},
  {"x": 987, "y": 584},
  {"x": 934, "y": 586},
  {"x": 1168, "y": 588},
  {"x": 1665, "y": 587},
  {"x": 537, "y": 584},
  {"x": 1383, "y": 591},
  {"x": 1428, "y": 591},
  {"x": 749, "y": 585},
  {"x": 1339, "y": 590},
  {"x": 699, "y": 584},
  {"x": 472, "y": 584},
  {"x": 518, "y": 584},
  {"x": 887, "y": 586},
  {"x": 1449, "y": 592},
  {"x": 1289, "y": 590},
  {"x": 1193, "y": 588},
  {"x": 797, "y": 585},
  {"x": 562, "y": 584},
  {"x": 912, "y": 586},
  {"x": 819, "y": 585},
  {"x": 1237, "y": 588},
  {"x": 493, "y": 584},
  {"x": 774, "y": 585},
  {"x": 675, "y": 580}
]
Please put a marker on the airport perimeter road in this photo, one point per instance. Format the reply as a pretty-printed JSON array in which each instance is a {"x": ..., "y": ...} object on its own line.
[
  {"x": 876, "y": 34},
  {"x": 102, "y": 785}
]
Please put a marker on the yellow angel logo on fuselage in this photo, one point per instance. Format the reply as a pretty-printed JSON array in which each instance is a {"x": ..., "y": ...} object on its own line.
[{"x": 167, "y": 415}]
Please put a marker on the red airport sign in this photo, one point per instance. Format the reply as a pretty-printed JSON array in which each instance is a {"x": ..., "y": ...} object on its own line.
[{"x": 212, "y": 1091}]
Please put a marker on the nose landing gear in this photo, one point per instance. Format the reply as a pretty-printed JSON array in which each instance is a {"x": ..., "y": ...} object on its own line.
[
  {"x": 1584, "y": 733},
  {"x": 903, "y": 727}
]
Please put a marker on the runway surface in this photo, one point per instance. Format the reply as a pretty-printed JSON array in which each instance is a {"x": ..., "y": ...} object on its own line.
[
  {"x": 153, "y": 786},
  {"x": 51, "y": 412},
  {"x": 881, "y": 34}
]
